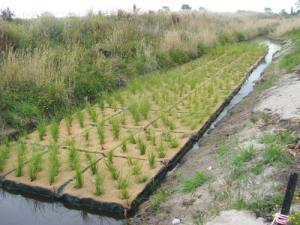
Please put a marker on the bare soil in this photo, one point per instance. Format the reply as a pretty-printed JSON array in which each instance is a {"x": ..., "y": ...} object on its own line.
[{"x": 280, "y": 102}]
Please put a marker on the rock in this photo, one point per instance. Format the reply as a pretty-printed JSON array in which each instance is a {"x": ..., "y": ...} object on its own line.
[
  {"x": 236, "y": 218},
  {"x": 176, "y": 221},
  {"x": 209, "y": 168}
]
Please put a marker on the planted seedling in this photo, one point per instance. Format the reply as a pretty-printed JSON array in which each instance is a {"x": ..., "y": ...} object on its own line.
[
  {"x": 129, "y": 159},
  {"x": 99, "y": 184},
  {"x": 145, "y": 107},
  {"x": 80, "y": 117},
  {"x": 42, "y": 129},
  {"x": 124, "y": 144},
  {"x": 132, "y": 138},
  {"x": 151, "y": 158},
  {"x": 4, "y": 154},
  {"x": 161, "y": 150},
  {"x": 115, "y": 127},
  {"x": 86, "y": 136},
  {"x": 92, "y": 163},
  {"x": 54, "y": 163},
  {"x": 110, "y": 155},
  {"x": 125, "y": 194},
  {"x": 141, "y": 145},
  {"x": 135, "y": 111},
  {"x": 142, "y": 179},
  {"x": 100, "y": 131},
  {"x": 78, "y": 177},
  {"x": 35, "y": 164},
  {"x": 136, "y": 168},
  {"x": 123, "y": 182},
  {"x": 54, "y": 129},
  {"x": 73, "y": 155}
]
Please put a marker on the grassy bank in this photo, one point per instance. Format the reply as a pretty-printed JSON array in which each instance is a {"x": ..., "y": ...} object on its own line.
[{"x": 49, "y": 63}]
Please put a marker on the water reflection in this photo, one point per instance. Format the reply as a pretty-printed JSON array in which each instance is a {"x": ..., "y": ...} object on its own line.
[{"x": 16, "y": 208}]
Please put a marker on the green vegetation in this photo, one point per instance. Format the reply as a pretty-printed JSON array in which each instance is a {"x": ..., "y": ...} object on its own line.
[
  {"x": 136, "y": 170},
  {"x": 151, "y": 158},
  {"x": 35, "y": 164},
  {"x": 78, "y": 177},
  {"x": 42, "y": 128},
  {"x": 125, "y": 194},
  {"x": 159, "y": 197},
  {"x": 80, "y": 117},
  {"x": 4, "y": 153},
  {"x": 54, "y": 163},
  {"x": 142, "y": 145},
  {"x": 191, "y": 184},
  {"x": 99, "y": 184},
  {"x": 73, "y": 155},
  {"x": 123, "y": 182},
  {"x": 54, "y": 129},
  {"x": 92, "y": 163}
]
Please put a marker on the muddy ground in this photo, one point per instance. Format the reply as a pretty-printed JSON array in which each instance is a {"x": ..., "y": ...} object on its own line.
[{"x": 264, "y": 110}]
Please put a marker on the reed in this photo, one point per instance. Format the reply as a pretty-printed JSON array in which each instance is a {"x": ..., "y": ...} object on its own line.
[
  {"x": 80, "y": 117},
  {"x": 99, "y": 179}
]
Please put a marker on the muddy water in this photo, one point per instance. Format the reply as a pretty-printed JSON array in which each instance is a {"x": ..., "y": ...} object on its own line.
[{"x": 19, "y": 208}]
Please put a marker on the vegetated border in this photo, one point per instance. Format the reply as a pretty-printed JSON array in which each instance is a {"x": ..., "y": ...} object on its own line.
[{"x": 151, "y": 186}]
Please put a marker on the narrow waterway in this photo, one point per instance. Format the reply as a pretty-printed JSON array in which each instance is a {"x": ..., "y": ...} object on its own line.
[{"x": 22, "y": 208}]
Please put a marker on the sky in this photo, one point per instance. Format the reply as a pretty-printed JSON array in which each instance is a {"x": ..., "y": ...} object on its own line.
[{"x": 60, "y": 8}]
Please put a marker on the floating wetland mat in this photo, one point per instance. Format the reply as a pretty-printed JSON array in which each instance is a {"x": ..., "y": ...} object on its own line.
[{"x": 130, "y": 139}]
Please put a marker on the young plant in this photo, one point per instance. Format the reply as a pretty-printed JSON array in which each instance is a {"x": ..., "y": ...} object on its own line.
[
  {"x": 101, "y": 103},
  {"x": 123, "y": 182},
  {"x": 122, "y": 118},
  {"x": 174, "y": 143},
  {"x": 142, "y": 145},
  {"x": 132, "y": 138},
  {"x": 110, "y": 156},
  {"x": 124, "y": 144},
  {"x": 80, "y": 117},
  {"x": 54, "y": 129},
  {"x": 151, "y": 158},
  {"x": 136, "y": 170},
  {"x": 42, "y": 129},
  {"x": 54, "y": 163},
  {"x": 134, "y": 109},
  {"x": 129, "y": 159},
  {"x": 116, "y": 127},
  {"x": 145, "y": 107},
  {"x": 35, "y": 164},
  {"x": 161, "y": 150},
  {"x": 142, "y": 179},
  {"x": 99, "y": 184},
  {"x": 92, "y": 163},
  {"x": 119, "y": 97},
  {"x": 20, "y": 165},
  {"x": 4, "y": 154},
  {"x": 125, "y": 194},
  {"x": 87, "y": 135},
  {"x": 92, "y": 112},
  {"x": 78, "y": 177},
  {"x": 100, "y": 131},
  {"x": 73, "y": 155}
]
